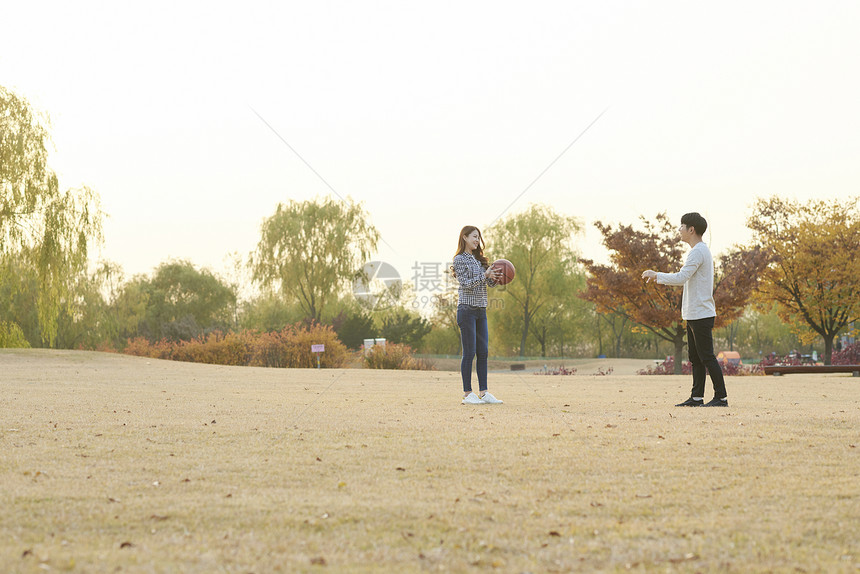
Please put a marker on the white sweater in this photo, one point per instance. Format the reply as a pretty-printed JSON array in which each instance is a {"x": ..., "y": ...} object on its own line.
[{"x": 697, "y": 277}]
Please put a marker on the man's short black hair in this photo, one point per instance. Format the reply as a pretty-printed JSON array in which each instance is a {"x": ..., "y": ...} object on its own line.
[{"x": 695, "y": 220}]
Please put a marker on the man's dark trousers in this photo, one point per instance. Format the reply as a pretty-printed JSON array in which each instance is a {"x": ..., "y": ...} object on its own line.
[{"x": 700, "y": 344}]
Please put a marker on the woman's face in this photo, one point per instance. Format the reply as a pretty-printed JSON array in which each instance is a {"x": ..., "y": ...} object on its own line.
[{"x": 473, "y": 240}]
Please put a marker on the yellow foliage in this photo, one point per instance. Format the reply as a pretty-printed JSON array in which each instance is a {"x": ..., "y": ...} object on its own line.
[{"x": 814, "y": 275}]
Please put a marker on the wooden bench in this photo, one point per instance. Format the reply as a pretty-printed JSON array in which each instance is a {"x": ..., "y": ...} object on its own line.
[
  {"x": 779, "y": 370},
  {"x": 518, "y": 367}
]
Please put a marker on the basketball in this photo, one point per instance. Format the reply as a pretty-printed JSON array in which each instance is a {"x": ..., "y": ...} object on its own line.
[{"x": 508, "y": 271}]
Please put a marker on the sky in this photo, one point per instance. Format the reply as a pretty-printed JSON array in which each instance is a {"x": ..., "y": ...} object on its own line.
[{"x": 193, "y": 120}]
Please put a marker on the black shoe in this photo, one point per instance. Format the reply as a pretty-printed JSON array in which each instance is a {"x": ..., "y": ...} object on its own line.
[
  {"x": 691, "y": 402},
  {"x": 718, "y": 403}
]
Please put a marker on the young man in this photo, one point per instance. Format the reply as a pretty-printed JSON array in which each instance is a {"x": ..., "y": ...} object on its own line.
[{"x": 698, "y": 310}]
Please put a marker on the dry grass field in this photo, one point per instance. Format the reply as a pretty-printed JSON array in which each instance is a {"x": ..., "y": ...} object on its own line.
[{"x": 122, "y": 464}]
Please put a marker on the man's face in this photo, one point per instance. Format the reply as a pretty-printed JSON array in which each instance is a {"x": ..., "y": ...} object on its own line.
[{"x": 686, "y": 232}]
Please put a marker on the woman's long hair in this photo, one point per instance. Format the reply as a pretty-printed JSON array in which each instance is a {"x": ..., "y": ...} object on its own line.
[{"x": 477, "y": 253}]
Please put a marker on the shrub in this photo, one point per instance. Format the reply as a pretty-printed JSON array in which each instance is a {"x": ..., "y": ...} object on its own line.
[
  {"x": 299, "y": 340},
  {"x": 740, "y": 370},
  {"x": 288, "y": 348},
  {"x": 792, "y": 358},
  {"x": 559, "y": 371},
  {"x": 667, "y": 367},
  {"x": 216, "y": 348},
  {"x": 141, "y": 347},
  {"x": 395, "y": 356},
  {"x": 848, "y": 355}
]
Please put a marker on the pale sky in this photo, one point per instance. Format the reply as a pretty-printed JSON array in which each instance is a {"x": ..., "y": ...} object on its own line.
[{"x": 435, "y": 115}]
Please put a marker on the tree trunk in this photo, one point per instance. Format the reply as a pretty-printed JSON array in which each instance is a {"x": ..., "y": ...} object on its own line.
[
  {"x": 599, "y": 338},
  {"x": 828, "y": 349},
  {"x": 679, "y": 353},
  {"x": 732, "y": 335},
  {"x": 525, "y": 332}
]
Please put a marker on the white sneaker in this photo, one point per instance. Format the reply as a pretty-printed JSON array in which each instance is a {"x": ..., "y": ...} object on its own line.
[
  {"x": 472, "y": 399},
  {"x": 490, "y": 399}
]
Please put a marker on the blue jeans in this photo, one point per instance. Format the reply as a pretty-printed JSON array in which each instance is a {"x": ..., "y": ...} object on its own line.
[
  {"x": 475, "y": 340},
  {"x": 700, "y": 345}
]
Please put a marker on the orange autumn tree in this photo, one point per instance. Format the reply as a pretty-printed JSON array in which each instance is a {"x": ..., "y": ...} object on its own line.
[
  {"x": 814, "y": 274},
  {"x": 619, "y": 287}
]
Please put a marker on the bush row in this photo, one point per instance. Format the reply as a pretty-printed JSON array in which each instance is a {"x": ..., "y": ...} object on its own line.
[
  {"x": 667, "y": 367},
  {"x": 848, "y": 355},
  {"x": 288, "y": 348}
]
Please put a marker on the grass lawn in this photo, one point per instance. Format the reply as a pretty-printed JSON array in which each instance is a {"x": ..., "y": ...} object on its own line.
[{"x": 122, "y": 464}]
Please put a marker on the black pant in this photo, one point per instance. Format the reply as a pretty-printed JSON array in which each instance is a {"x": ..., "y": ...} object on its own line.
[{"x": 700, "y": 344}]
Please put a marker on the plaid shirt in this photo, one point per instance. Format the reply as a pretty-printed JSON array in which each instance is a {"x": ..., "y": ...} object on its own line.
[{"x": 473, "y": 282}]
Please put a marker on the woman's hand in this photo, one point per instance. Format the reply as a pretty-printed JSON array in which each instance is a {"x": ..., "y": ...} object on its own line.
[
  {"x": 649, "y": 275},
  {"x": 493, "y": 273}
]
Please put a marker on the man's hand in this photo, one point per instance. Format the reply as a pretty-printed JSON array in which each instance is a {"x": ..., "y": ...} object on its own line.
[{"x": 649, "y": 275}]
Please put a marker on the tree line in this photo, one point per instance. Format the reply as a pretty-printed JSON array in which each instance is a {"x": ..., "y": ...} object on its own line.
[{"x": 796, "y": 283}]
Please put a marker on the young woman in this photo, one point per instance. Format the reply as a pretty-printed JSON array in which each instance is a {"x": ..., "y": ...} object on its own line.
[{"x": 474, "y": 274}]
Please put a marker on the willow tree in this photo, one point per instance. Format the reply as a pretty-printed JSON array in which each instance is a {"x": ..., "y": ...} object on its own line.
[
  {"x": 40, "y": 225},
  {"x": 310, "y": 250},
  {"x": 538, "y": 243},
  {"x": 814, "y": 276},
  {"x": 619, "y": 288}
]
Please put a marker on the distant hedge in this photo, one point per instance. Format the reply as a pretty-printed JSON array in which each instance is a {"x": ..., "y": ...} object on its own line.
[{"x": 288, "y": 348}]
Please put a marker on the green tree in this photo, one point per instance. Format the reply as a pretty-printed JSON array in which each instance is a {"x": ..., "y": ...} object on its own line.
[
  {"x": 268, "y": 312},
  {"x": 310, "y": 250},
  {"x": 538, "y": 243},
  {"x": 19, "y": 286},
  {"x": 560, "y": 323},
  {"x": 814, "y": 275},
  {"x": 444, "y": 335},
  {"x": 54, "y": 228},
  {"x": 181, "y": 302},
  {"x": 354, "y": 327},
  {"x": 404, "y": 327},
  {"x": 759, "y": 332}
]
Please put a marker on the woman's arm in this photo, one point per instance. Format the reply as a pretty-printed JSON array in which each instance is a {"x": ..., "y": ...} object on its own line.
[{"x": 468, "y": 272}]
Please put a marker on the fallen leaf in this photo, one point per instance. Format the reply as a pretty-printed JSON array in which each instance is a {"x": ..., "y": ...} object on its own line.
[
  {"x": 159, "y": 517},
  {"x": 554, "y": 533},
  {"x": 126, "y": 545},
  {"x": 399, "y": 468},
  {"x": 688, "y": 556}
]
